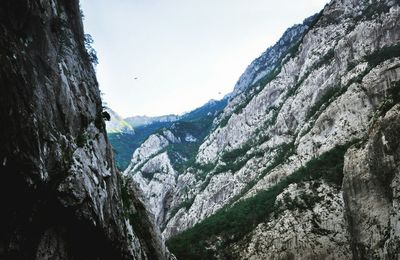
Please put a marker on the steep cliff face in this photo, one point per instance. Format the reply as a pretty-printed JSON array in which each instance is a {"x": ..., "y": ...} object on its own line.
[
  {"x": 371, "y": 189},
  {"x": 268, "y": 180},
  {"x": 60, "y": 194}
]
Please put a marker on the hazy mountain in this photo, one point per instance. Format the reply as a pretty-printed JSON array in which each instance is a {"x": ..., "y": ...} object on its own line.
[
  {"x": 136, "y": 121},
  {"x": 117, "y": 124}
]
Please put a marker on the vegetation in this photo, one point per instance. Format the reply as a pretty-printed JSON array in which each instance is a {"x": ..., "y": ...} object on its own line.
[
  {"x": 375, "y": 59},
  {"x": 91, "y": 52},
  {"x": 58, "y": 27},
  {"x": 81, "y": 140},
  {"x": 197, "y": 123},
  {"x": 325, "y": 98},
  {"x": 305, "y": 200},
  {"x": 236, "y": 153},
  {"x": 183, "y": 154},
  {"x": 186, "y": 204},
  {"x": 326, "y": 59},
  {"x": 224, "y": 121},
  {"x": 123, "y": 147},
  {"x": 106, "y": 116},
  {"x": 383, "y": 54},
  {"x": 376, "y": 8},
  {"x": 233, "y": 222}
]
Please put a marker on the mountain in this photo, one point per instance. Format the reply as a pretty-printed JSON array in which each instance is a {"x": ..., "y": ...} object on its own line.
[
  {"x": 303, "y": 161},
  {"x": 136, "y": 121},
  {"x": 60, "y": 193},
  {"x": 156, "y": 163},
  {"x": 117, "y": 124},
  {"x": 125, "y": 143}
]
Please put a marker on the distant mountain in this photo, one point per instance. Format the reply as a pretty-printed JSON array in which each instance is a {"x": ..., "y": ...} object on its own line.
[
  {"x": 199, "y": 120},
  {"x": 117, "y": 124},
  {"x": 136, "y": 121},
  {"x": 125, "y": 143}
]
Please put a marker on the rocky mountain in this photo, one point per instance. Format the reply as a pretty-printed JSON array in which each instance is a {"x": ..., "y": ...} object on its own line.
[
  {"x": 271, "y": 58},
  {"x": 61, "y": 195},
  {"x": 156, "y": 163},
  {"x": 126, "y": 142},
  {"x": 302, "y": 163}
]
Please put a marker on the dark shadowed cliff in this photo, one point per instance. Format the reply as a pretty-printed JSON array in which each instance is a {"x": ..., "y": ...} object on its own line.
[{"x": 60, "y": 194}]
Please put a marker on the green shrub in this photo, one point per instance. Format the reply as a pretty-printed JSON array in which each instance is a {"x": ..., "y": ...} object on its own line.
[
  {"x": 324, "y": 60},
  {"x": 373, "y": 10},
  {"x": 91, "y": 52},
  {"x": 325, "y": 98},
  {"x": 81, "y": 140},
  {"x": 224, "y": 121},
  {"x": 375, "y": 59},
  {"x": 383, "y": 54},
  {"x": 186, "y": 204},
  {"x": 58, "y": 27},
  {"x": 235, "y": 153}
]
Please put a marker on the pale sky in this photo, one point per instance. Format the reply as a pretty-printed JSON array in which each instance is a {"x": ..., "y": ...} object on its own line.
[{"x": 182, "y": 52}]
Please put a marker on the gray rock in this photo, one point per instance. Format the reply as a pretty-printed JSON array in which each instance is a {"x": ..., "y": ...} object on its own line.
[
  {"x": 60, "y": 191},
  {"x": 371, "y": 190}
]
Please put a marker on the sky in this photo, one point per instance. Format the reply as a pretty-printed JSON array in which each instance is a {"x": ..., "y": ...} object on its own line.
[{"x": 159, "y": 57}]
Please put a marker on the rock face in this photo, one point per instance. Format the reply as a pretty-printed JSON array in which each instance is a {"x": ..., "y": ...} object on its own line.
[
  {"x": 371, "y": 190},
  {"x": 328, "y": 86},
  {"x": 154, "y": 173},
  {"x": 60, "y": 194},
  {"x": 311, "y": 231}
]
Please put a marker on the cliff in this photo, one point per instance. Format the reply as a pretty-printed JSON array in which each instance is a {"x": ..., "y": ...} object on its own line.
[{"x": 61, "y": 196}]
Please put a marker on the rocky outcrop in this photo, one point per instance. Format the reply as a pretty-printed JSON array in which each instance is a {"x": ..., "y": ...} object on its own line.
[
  {"x": 156, "y": 164},
  {"x": 315, "y": 229},
  {"x": 61, "y": 196},
  {"x": 371, "y": 190},
  {"x": 154, "y": 174}
]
